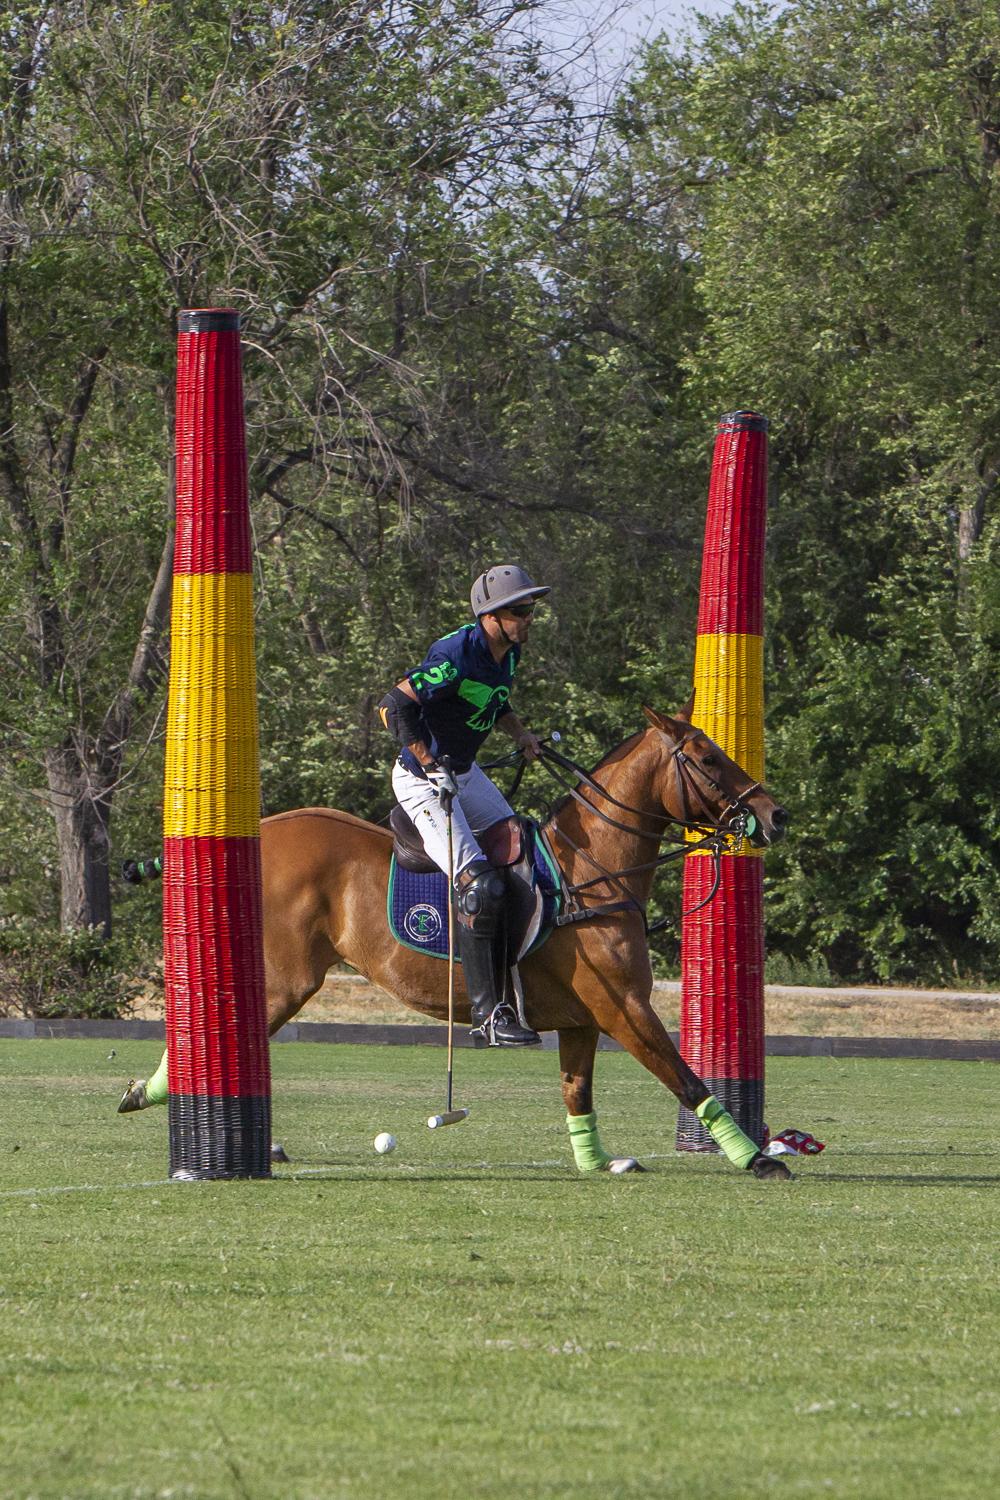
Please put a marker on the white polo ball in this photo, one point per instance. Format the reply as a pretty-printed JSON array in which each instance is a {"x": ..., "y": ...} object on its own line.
[{"x": 384, "y": 1143}]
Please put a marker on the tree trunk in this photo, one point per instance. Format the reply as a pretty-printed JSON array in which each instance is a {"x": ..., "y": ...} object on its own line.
[
  {"x": 970, "y": 529},
  {"x": 972, "y": 518},
  {"x": 81, "y": 816},
  {"x": 82, "y": 782}
]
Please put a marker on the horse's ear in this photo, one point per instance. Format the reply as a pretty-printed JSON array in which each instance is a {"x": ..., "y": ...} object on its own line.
[
  {"x": 686, "y": 712},
  {"x": 664, "y": 722}
]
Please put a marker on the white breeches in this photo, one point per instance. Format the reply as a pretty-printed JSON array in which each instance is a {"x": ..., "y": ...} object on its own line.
[{"x": 478, "y": 806}]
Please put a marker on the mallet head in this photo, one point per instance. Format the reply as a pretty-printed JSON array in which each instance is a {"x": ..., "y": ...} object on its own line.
[{"x": 450, "y": 1117}]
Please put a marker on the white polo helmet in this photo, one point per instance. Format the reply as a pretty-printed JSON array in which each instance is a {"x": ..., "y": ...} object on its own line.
[{"x": 504, "y": 585}]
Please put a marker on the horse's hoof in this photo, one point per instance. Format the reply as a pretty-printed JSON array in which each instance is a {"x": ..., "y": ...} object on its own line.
[
  {"x": 770, "y": 1167},
  {"x": 134, "y": 1097},
  {"x": 621, "y": 1164},
  {"x": 278, "y": 1152}
]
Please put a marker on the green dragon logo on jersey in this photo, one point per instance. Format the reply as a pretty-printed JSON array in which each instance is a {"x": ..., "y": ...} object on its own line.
[{"x": 489, "y": 702}]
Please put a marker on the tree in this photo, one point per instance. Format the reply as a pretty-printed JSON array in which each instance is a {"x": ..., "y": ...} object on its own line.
[
  {"x": 299, "y": 165},
  {"x": 838, "y": 166}
]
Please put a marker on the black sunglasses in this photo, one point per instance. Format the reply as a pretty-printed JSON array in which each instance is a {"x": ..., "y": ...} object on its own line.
[{"x": 522, "y": 611}]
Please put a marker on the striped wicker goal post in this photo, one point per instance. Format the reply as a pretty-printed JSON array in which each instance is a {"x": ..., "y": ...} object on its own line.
[
  {"x": 722, "y": 945},
  {"x": 219, "y": 1070}
]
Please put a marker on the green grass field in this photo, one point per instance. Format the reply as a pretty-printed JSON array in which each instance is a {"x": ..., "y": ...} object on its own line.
[{"x": 469, "y": 1318}]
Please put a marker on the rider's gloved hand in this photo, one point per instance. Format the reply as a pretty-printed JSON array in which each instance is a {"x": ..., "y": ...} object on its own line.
[
  {"x": 529, "y": 745},
  {"x": 441, "y": 779}
]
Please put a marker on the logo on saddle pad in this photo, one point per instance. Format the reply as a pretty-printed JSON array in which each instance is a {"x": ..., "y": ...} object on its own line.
[{"x": 422, "y": 923}]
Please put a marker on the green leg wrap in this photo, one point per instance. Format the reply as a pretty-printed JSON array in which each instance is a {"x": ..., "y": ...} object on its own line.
[
  {"x": 590, "y": 1155},
  {"x": 725, "y": 1132},
  {"x": 156, "y": 1087}
]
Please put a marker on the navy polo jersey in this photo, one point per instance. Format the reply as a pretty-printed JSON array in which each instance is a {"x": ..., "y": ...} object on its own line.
[{"x": 462, "y": 691}]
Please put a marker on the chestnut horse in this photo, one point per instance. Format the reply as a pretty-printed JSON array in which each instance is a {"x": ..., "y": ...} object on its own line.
[{"x": 325, "y": 876}]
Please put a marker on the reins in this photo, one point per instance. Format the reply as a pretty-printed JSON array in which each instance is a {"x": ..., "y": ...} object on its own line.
[
  {"x": 715, "y": 835},
  {"x": 550, "y": 757}
]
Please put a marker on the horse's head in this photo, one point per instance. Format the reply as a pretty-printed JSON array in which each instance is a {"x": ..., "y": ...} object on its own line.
[{"x": 700, "y": 781}]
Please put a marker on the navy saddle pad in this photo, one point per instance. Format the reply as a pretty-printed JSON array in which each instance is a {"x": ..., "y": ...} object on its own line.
[{"x": 418, "y": 904}]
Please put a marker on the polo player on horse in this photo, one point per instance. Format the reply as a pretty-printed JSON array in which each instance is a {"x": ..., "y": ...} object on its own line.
[{"x": 441, "y": 714}]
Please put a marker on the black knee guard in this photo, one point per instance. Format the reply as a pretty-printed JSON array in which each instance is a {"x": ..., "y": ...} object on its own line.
[{"x": 480, "y": 900}]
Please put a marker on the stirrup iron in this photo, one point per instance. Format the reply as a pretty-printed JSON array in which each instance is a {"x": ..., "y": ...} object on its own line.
[{"x": 501, "y": 1028}]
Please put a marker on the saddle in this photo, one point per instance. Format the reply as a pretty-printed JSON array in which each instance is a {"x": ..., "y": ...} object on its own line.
[
  {"x": 418, "y": 890},
  {"x": 502, "y": 843}
]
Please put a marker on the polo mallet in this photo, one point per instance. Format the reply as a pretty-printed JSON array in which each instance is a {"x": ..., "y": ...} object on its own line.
[{"x": 450, "y": 1116}]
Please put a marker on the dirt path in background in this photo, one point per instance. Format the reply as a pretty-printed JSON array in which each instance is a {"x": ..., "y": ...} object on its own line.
[{"x": 789, "y": 1010}]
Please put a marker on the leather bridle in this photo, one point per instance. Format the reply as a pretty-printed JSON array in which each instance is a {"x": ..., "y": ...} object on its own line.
[
  {"x": 718, "y": 836},
  {"x": 686, "y": 766}
]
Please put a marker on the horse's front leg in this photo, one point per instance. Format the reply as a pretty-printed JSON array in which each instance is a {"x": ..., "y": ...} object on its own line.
[
  {"x": 577, "y": 1050},
  {"x": 627, "y": 1015}
]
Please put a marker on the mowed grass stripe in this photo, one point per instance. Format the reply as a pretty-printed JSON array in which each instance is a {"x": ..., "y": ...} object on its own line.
[{"x": 423, "y": 1326}]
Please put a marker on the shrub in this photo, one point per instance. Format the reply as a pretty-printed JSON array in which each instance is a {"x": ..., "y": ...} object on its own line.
[{"x": 49, "y": 974}]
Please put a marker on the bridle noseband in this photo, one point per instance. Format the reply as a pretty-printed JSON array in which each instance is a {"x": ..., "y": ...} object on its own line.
[{"x": 741, "y": 816}]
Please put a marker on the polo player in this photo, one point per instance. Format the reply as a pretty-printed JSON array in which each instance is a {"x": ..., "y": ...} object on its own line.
[{"x": 441, "y": 714}]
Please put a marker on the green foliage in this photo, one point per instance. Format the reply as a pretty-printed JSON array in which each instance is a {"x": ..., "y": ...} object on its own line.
[
  {"x": 323, "y": 173},
  {"x": 837, "y": 172},
  {"x": 473, "y": 331},
  {"x": 45, "y": 973}
]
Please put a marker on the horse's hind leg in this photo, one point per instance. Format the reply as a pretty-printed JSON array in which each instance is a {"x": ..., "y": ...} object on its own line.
[
  {"x": 293, "y": 972},
  {"x": 577, "y": 1050},
  {"x": 294, "y": 969}
]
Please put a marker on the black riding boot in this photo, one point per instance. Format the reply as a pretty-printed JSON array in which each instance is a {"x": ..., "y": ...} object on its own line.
[{"x": 480, "y": 933}]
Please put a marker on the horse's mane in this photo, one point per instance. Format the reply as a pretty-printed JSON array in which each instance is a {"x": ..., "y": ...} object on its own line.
[{"x": 605, "y": 760}]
